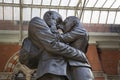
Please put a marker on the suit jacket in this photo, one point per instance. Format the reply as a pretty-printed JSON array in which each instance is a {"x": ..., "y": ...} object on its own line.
[
  {"x": 52, "y": 59},
  {"x": 29, "y": 54}
]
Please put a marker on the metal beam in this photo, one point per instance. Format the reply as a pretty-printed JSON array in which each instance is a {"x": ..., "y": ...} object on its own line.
[
  {"x": 21, "y": 22},
  {"x": 77, "y": 7},
  {"x": 59, "y": 7}
]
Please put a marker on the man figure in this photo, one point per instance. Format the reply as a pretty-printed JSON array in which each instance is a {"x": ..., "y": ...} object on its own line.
[{"x": 77, "y": 37}]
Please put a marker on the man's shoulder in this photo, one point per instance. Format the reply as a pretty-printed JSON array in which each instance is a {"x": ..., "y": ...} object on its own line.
[
  {"x": 37, "y": 20},
  {"x": 37, "y": 23}
]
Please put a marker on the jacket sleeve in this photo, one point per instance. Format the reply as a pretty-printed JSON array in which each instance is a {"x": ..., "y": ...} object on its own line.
[
  {"x": 41, "y": 35},
  {"x": 73, "y": 35}
]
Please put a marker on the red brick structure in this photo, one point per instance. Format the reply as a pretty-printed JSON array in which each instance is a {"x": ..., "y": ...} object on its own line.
[{"x": 105, "y": 62}]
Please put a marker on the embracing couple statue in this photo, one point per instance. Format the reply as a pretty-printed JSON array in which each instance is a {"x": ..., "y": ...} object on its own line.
[{"x": 56, "y": 48}]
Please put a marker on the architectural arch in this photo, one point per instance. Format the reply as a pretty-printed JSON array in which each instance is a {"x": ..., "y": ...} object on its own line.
[{"x": 14, "y": 66}]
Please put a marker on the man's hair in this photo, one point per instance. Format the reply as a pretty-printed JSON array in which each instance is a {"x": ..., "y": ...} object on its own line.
[{"x": 50, "y": 14}]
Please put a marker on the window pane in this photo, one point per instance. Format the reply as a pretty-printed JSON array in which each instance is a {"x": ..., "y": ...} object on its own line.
[
  {"x": 116, "y": 4},
  {"x": 73, "y": 2},
  {"x": 0, "y": 0},
  {"x": 63, "y": 13},
  {"x": 111, "y": 17},
  {"x": 100, "y": 3},
  {"x": 1, "y": 13},
  {"x": 91, "y": 3},
  {"x": 108, "y": 3},
  {"x": 117, "y": 21},
  {"x": 26, "y": 14},
  {"x": 8, "y": 1},
  {"x": 35, "y": 12},
  {"x": 64, "y": 2},
  {"x": 86, "y": 18},
  {"x": 70, "y": 13},
  {"x": 46, "y": 2},
  {"x": 54, "y": 10},
  {"x": 95, "y": 16},
  {"x": 27, "y": 1},
  {"x": 103, "y": 17},
  {"x": 16, "y": 1},
  {"x": 55, "y": 2},
  {"x": 38, "y": 2},
  {"x": 16, "y": 13},
  {"x": 43, "y": 12},
  {"x": 8, "y": 13}
]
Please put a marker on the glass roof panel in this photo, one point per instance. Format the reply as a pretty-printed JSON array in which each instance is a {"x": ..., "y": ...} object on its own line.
[
  {"x": 73, "y": 2},
  {"x": 1, "y": 13},
  {"x": 62, "y": 13},
  {"x": 43, "y": 12},
  {"x": 117, "y": 21},
  {"x": 8, "y": 1},
  {"x": 116, "y": 4},
  {"x": 70, "y": 13},
  {"x": 16, "y": 1},
  {"x": 100, "y": 3},
  {"x": 46, "y": 2},
  {"x": 111, "y": 17},
  {"x": 26, "y": 14},
  {"x": 55, "y": 2},
  {"x": 6, "y": 16},
  {"x": 108, "y": 3},
  {"x": 38, "y": 2},
  {"x": 95, "y": 16},
  {"x": 16, "y": 13},
  {"x": 87, "y": 16},
  {"x": 27, "y": 1},
  {"x": 64, "y": 2},
  {"x": 54, "y": 10},
  {"x": 103, "y": 17},
  {"x": 91, "y": 3},
  {"x": 35, "y": 12}
]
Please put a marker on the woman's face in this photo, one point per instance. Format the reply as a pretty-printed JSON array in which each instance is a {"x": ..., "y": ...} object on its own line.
[{"x": 68, "y": 25}]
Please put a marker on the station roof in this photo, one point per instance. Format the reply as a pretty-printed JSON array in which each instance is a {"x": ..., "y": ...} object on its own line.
[{"x": 89, "y": 11}]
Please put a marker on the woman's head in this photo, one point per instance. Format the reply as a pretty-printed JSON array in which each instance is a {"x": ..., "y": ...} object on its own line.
[{"x": 70, "y": 22}]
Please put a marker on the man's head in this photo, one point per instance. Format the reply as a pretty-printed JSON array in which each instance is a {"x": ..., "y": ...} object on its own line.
[
  {"x": 70, "y": 22},
  {"x": 52, "y": 18}
]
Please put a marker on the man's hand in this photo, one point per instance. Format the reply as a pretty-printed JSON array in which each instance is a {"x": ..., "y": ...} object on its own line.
[{"x": 60, "y": 31}]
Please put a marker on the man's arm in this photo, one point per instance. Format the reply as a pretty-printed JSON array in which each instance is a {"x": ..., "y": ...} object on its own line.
[{"x": 40, "y": 34}]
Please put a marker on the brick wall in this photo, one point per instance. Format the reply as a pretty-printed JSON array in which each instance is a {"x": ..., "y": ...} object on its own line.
[
  {"x": 109, "y": 60},
  {"x": 6, "y": 51},
  {"x": 106, "y": 62}
]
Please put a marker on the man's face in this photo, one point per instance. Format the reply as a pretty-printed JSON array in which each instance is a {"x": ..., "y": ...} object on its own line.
[{"x": 51, "y": 20}]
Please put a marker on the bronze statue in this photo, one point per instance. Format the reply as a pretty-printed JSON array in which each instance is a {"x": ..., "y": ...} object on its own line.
[{"x": 55, "y": 56}]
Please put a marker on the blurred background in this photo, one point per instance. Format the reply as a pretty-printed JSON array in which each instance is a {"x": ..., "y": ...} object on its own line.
[{"x": 101, "y": 18}]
